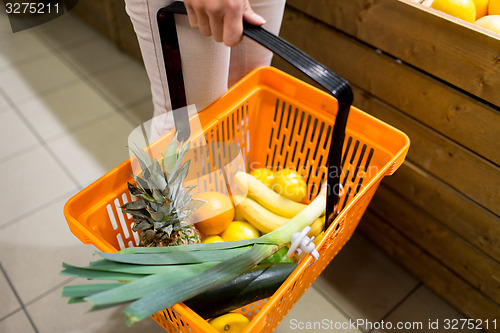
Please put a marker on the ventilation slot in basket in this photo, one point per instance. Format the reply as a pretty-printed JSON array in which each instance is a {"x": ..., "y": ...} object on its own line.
[{"x": 121, "y": 223}]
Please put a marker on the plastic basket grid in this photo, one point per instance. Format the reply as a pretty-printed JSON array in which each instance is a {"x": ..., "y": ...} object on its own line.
[{"x": 269, "y": 119}]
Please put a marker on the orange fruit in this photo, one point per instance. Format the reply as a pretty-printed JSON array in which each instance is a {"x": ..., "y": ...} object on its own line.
[
  {"x": 239, "y": 230},
  {"x": 494, "y": 7},
  {"x": 490, "y": 22},
  {"x": 481, "y": 8},
  {"x": 462, "y": 9},
  {"x": 215, "y": 215}
]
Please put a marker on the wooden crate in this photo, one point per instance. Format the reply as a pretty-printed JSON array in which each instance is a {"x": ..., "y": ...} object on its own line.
[{"x": 437, "y": 78}]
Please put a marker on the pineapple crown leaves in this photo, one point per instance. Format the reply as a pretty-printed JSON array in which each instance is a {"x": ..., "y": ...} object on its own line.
[{"x": 163, "y": 202}]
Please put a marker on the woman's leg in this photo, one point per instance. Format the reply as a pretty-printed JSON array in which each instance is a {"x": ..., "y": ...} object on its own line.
[
  {"x": 205, "y": 64},
  {"x": 249, "y": 55}
]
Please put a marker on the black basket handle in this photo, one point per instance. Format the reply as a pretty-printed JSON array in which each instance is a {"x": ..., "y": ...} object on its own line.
[{"x": 331, "y": 82}]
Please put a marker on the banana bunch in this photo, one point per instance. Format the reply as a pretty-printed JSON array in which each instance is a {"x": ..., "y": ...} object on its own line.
[{"x": 265, "y": 209}]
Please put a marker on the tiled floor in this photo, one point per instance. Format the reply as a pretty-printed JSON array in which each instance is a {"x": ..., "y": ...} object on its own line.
[{"x": 68, "y": 100}]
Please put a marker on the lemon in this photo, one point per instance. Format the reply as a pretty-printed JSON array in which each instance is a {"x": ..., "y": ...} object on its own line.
[
  {"x": 462, "y": 9},
  {"x": 265, "y": 175},
  {"x": 481, "y": 8},
  {"x": 490, "y": 22},
  {"x": 494, "y": 7},
  {"x": 230, "y": 322},
  {"x": 290, "y": 184},
  {"x": 239, "y": 230},
  {"x": 212, "y": 239}
]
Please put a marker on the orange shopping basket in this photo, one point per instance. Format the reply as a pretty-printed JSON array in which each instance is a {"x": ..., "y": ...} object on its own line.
[{"x": 275, "y": 121}]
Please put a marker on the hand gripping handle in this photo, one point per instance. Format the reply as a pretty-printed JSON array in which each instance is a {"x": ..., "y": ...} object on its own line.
[{"x": 331, "y": 82}]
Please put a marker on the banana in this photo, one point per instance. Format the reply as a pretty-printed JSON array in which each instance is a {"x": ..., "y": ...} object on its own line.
[
  {"x": 266, "y": 221},
  {"x": 271, "y": 200},
  {"x": 261, "y": 218}
]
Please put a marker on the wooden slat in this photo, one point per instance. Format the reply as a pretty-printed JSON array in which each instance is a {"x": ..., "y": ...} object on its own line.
[
  {"x": 453, "y": 50},
  {"x": 437, "y": 277},
  {"x": 460, "y": 168},
  {"x": 443, "y": 244},
  {"x": 470, "y": 221},
  {"x": 463, "y": 119}
]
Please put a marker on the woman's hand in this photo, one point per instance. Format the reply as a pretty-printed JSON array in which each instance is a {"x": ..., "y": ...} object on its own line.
[{"x": 222, "y": 19}]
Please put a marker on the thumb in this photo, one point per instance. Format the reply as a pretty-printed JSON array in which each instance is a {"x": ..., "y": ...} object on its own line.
[{"x": 250, "y": 16}]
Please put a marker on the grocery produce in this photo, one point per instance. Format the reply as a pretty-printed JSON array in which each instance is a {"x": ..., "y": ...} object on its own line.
[
  {"x": 163, "y": 203},
  {"x": 462, "y": 9},
  {"x": 261, "y": 218},
  {"x": 266, "y": 176},
  {"x": 481, "y": 8},
  {"x": 237, "y": 214},
  {"x": 239, "y": 230},
  {"x": 271, "y": 200},
  {"x": 258, "y": 283},
  {"x": 155, "y": 278},
  {"x": 490, "y": 22},
  {"x": 212, "y": 239},
  {"x": 230, "y": 323},
  {"x": 317, "y": 227},
  {"x": 494, "y": 7},
  {"x": 290, "y": 184},
  {"x": 278, "y": 257},
  {"x": 215, "y": 215}
]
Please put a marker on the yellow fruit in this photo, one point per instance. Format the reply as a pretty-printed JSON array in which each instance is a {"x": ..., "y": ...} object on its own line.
[
  {"x": 317, "y": 226},
  {"x": 230, "y": 322},
  {"x": 212, "y": 239},
  {"x": 265, "y": 175},
  {"x": 494, "y": 7},
  {"x": 490, "y": 22},
  {"x": 290, "y": 184},
  {"x": 264, "y": 220},
  {"x": 271, "y": 200},
  {"x": 481, "y": 8},
  {"x": 215, "y": 215},
  {"x": 462, "y": 9},
  {"x": 239, "y": 230}
]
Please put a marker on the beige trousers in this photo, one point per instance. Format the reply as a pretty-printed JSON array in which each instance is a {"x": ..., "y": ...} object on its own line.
[{"x": 209, "y": 68}]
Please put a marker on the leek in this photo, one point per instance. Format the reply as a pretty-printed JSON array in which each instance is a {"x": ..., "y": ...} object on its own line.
[{"x": 158, "y": 278}]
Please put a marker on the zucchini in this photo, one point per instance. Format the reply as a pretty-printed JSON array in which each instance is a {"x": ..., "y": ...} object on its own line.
[{"x": 258, "y": 283}]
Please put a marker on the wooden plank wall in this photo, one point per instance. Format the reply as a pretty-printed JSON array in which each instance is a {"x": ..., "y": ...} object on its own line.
[{"x": 438, "y": 80}]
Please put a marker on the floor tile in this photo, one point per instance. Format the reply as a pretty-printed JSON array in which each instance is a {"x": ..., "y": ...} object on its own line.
[
  {"x": 423, "y": 312},
  {"x": 95, "y": 56},
  {"x": 92, "y": 151},
  {"x": 17, "y": 323},
  {"x": 32, "y": 179},
  {"x": 32, "y": 79},
  {"x": 15, "y": 136},
  {"x": 4, "y": 105},
  {"x": 20, "y": 47},
  {"x": 66, "y": 31},
  {"x": 52, "y": 314},
  {"x": 9, "y": 300},
  {"x": 364, "y": 282},
  {"x": 314, "y": 313},
  {"x": 140, "y": 112},
  {"x": 37, "y": 246},
  {"x": 125, "y": 85},
  {"x": 61, "y": 111}
]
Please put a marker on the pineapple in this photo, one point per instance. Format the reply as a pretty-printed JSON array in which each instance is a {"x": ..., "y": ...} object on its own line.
[{"x": 163, "y": 203}]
